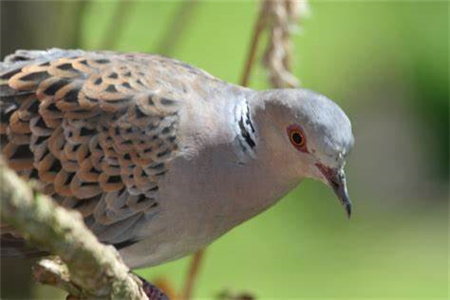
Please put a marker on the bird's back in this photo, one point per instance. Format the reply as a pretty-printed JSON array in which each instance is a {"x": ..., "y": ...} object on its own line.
[{"x": 98, "y": 130}]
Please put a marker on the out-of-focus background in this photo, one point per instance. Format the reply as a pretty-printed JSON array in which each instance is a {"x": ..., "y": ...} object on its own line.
[{"x": 386, "y": 63}]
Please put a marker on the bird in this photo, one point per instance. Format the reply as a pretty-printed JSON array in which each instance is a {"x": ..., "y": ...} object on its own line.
[{"x": 160, "y": 157}]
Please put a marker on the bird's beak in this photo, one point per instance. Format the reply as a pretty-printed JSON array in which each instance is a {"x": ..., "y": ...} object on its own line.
[{"x": 336, "y": 179}]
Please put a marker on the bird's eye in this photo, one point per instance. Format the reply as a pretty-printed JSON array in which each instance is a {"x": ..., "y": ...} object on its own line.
[{"x": 297, "y": 138}]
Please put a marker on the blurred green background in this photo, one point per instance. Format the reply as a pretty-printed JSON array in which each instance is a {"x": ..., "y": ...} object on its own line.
[{"x": 386, "y": 63}]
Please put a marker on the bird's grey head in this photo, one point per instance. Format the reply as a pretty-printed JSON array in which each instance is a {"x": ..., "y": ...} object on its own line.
[{"x": 310, "y": 136}]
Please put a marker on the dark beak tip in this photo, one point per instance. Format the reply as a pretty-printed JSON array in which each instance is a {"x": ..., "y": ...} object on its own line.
[
  {"x": 337, "y": 181},
  {"x": 348, "y": 209}
]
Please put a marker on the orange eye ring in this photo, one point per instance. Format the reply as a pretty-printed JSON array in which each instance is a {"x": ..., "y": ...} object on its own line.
[{"x": 297, "y": 137}]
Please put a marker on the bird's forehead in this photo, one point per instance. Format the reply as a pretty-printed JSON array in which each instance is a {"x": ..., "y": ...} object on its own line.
[{"x": 325, "y": 121}]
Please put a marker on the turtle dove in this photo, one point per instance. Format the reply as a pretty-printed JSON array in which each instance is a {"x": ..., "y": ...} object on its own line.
[{"x": 159, "y": 157}]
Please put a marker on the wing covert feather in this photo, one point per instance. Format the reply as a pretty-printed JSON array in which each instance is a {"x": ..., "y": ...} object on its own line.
[{"x": 97, "y": 129}]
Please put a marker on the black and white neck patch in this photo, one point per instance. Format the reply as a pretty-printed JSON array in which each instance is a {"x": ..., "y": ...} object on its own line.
[{"x": 245, "y": 130}]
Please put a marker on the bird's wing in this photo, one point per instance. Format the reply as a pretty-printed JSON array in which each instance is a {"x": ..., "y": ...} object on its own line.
[{"x": 97, "y": 129}]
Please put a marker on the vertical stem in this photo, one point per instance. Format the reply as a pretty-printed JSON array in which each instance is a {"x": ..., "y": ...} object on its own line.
[
  {"x": 258, "y": 29},
  {"x": 192, "y": 274}
]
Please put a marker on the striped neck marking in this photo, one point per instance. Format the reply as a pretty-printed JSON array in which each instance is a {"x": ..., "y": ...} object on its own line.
[{"x": 246, "y": 134}]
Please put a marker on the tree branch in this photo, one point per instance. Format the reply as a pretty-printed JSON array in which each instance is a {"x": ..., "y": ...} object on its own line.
[{"x": 96, "y": 270}]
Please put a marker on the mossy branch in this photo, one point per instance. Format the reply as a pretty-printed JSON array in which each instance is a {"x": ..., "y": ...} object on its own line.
[{"x": 87, "y": 267}]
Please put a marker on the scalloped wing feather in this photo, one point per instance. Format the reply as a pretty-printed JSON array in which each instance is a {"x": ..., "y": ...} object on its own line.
[{"x": 97, "y": 129}]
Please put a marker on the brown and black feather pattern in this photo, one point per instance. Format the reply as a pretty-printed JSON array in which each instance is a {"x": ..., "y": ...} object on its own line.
[{"x": 97, "y": 129}]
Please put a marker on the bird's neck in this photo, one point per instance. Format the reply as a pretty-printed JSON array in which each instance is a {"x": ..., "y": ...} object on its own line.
[
  {"x": 250, "y": 110},
  {"x": 258, "y": 177}
]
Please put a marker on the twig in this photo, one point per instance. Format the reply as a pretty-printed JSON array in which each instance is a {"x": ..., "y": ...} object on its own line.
[
  {"x": 96, "y": 269},
  {"x": 282, "y": 19},
  {"x": 192, "y": 274},
  {"x": 258, "y": 29},
  {"x": 54, "y": 272},
  {"x": 278, "y": 18}
]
